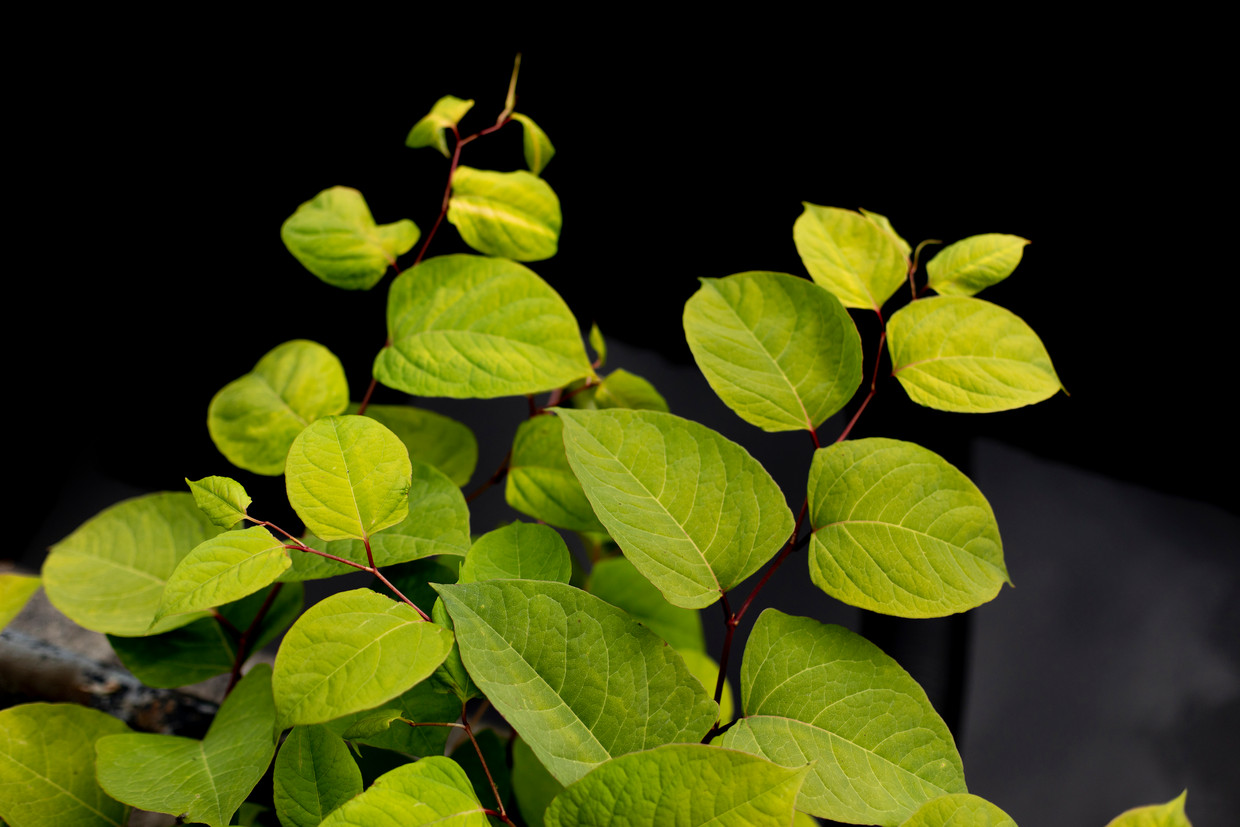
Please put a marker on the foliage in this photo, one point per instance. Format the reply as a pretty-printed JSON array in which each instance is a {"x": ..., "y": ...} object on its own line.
[{"x": 612, "y": 711}]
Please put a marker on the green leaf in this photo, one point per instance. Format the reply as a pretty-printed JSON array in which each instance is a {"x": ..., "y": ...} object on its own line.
[
  {"x": 621, "y": 389},
  {"x": 423, "y": 703},
  {"x": 781, "y": 352},
  {"x": 692, "y": 510},
  {"x": 371, "y": 724},
  {"x": 537, "y": 650},
  {"x": 533, "y": 786},
  {"x": 599, "y": 344},
  {"x": 1170, "y": 814},
  {"x": 495, "y": 753},
  {"x": 254, "y": 420},
  {"x": 514, "y": 215},
  {"x": 535, "y": 143},
  {"x": 959, "y": 810},
  {"x": 15, "y": 591},
  {"x": 706, "y": 670},
  {"x": 314, "y": 775},
  {"x": 445, "y": 114},
  {"x": 47, "y": 767},
  {"x": 821, "y": 694},
  {"x": 452, "y": 673},
  {"x": 855, "y": 258},
  {"x": 898, "y": 530},
  {"x": 431, "y": 438},
  {"x": 222, "y": 499},
  {"x": 223, "y": 569},
  {"x": 961, "y": 354},
  {"x": 885, "y": 222},
  {"x": 682, "y": 784},
  {"x": 353, "y": 651},
  {"x": 335, "y": 237},
  {"x": 348, "y": 477},
  {"x": 203, "y": 780},
  {"x": 437, "y": 523},
  {"x": 434, "y": 790},
  {"x": 471, "y": 327},
  {"x": 973, "y": 264},
  {"x": 109, "y": 574},
  {"x": 618, "y": 581},
  {"x": 540, "y": 481},
  {"x": 519, "y": 551}
]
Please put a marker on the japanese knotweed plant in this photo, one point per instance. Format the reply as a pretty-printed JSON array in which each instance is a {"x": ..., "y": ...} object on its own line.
[{"x": 612, "y": 710}]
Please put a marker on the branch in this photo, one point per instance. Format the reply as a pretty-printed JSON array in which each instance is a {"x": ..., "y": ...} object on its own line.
[
  {"x": 244, "y": 643},
  {"x": 496, "y": 477},
  {"x": 878, "y": 358}
]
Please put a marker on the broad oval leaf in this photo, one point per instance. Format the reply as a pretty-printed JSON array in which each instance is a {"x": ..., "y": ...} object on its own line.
[
  {"x": 335, "y": 237},
  {"x": 520, "y": 551},
  {"x": 693, "y": 511},
  {"x": 254, "y": 420},
  {"x": 429, "y": 131},
  {"x": 578, "y": 678},
  {"x": 973, "y": 264},
  {"x": 109, "y": 574},
  {"x": 961, "y": 354},
  {"x": 681, "y": 784},
  {"x": 203, "y": 780},
  {"x": 222, "y": 499},
  {"x": 348, "y": 477},
  {"x": 471, "y": 327},
  {"x": 898, "y": 530},
  {"x": 430, "y": 437},
  {"x": 353, "y": 651},
  {"x": 314, "y": 774},
  {"x": 855, "y": 258},
  {"x": 15, "y": 592},
  {"x": 618, "y": 581},
  {"x": 434, "y": 790},
  {"x": 515, "y": 215},
  {"x": 959, "y": 810},
  {"x": 222, "y": 569},
  {"x": 535, "y": 143},
  {"x": 540, "y": 481},
  {"x": 780, "y": 351},
  {"x": 1170, "y": 814},
  {"x": 814, "y": 693},
  {"x": 47, "y": 767}
]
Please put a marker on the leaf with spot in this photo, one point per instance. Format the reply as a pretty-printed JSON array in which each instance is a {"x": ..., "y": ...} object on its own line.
[
  {"x": 854, "y": 257},
  {"x": 975, "y": 263},
  {"x": 514, "y": 215},
  {"x": 314, "y": 775},
  {"x": 430, "y": 130}
]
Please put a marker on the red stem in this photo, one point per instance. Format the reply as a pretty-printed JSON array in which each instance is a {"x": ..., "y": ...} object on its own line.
[
  {"x": 878, "y": 358},
  {"x": 244, "y": 643},
  {"x": 730, "y": 622},
  {"x": 783, "y": 555},
  {"x": 470, "y": 732}
]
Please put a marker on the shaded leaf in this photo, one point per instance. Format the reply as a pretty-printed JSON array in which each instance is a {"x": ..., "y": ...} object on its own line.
[
  {"x": 540, "y": 481},
  {"x": 533, "y": 786},
  {"x": 515, "y": 215},
  {"x": 15, "y": 591},
  {"x": 599, "y": 344},
  {"x": 371, "y": 724},
  {"x": 1170, "y": 814},
  {"x": 222, "y": 499},
  {"x": 621, "y": 389},
  {"x": 314, "y": 775},
  {"x": 618, "y": 581},
  {"x": 855, "y": 258},
  {"x": 959, "y": 810},
  {"x": 452, "y": 673},
  {"x": 223, "y": 569},
  {"x": 535, "y": 143},
  {"x": 434, "y": 790},
  {"x": 423, "y": 703},
  {"x": 518, "y": 551},
  {"x": 429, "y": 131},
  {"x": 973, "y": 264},
  {"x": 703, "y": 667},
  {"x": 432, "y": 438}
]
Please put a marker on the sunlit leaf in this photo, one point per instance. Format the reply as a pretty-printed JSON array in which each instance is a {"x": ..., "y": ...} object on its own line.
[
  {"x": 536, "y": 144},
  {"x": 473, "y": 327},
  {"x": 109, "y": 574},
  {"x": 974, "y": 263},
  {"x": 961, "y": 354},
  {"x": 431, "y": 438},
  {"x": 535, "y": 648},
  {"x": 335, "y": 237},
  {"x": 222, "y": 499},
  {"x": 814, "y": 693},
  {"x": 515, "y": 215},
  {"x": 959, "y": 810},
  {"x": 780, "y": 351},
  {"x": 599, "y": 344},
  {"x": 223, "y": 569},
  {"x": 693, "y": 511},
  {"x": 540, "y": 481},
  {"x": 519, "y": 551},
  {"x": 885, "y": 222},
  {"x": 617, "y": 581},
  {"x": 855, "y": 258},
  {"x": 1170, "y": 814},
  {"x": 254, "y": 420},
  {"x": 47, "y": 767},
  {"x": 434, "y": 790},
  {"x": 429, "y": 131},
  {"x": 15, "y": 591},
  {"x": 314, "y": 775}
]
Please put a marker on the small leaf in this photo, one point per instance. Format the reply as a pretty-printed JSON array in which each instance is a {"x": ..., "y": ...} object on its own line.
[
  {"x": 353, "y": 651},
  {"x": 47, "y": 767},
  {"x": 202, "y": 780},
  {"x": 533, "y": 786},
  {"x": 445, "y": 114},
  {"x": 452, "y": 673},
  {"x": 15, "y": 591},
  {"x": 618, "y": 581},
  {"x": 693, "y": 511},
  {"x": 434, "y": 790},
  {"x": 431, "y": 438},
  {"x": 472, "y": 327},
  {"x": 348, "y": 477},
  {"x": 959, "y": 810},
  {"x": 423, "y": 703},
  {"x": 898, "y": 530},
  {"x": 540, "y": 481},
  {"x": 682, "y": 784},
  {"x": 371, "y": 724},
  {"x": 314, "y": 775},
  {"x": 335, "y": 237},
  {"x": 520, "y": 551},
  {"x": 1170, "y": 814},
  {"x": 223, "y": 569},
  {"x": 254, "y": 420},
  {"x": 109, "y": 575},
  {"x": 535, "y": 143},
  {"x": 222, "y": 499},
  {"x": 780, "y": 351},
  {"x": 599, "y": 344},
  {"x": 961, "y": 354},
  {"x": 621, "y": 389},
  {"x": 973, "y": 264},
  {"x": 855, "y": 258},
  {"x": 814, "y": 693},
  {"x": 885, "y": 222},
  {"x": 536, "y": 649},
  {"x": 514, "y": 215}
]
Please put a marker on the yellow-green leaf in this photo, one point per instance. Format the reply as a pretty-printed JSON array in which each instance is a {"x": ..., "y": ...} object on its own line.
[
  {"x": 855, "y": 258},
  {"x": 1170, "y": 814},
  {"x": 973, "y": 264},
  {"x": 515, "y": 215},
  {"x": 15, "y": 591},
  {"x": 536, "y": 144},
  {"x": 222, "y": 569},
  {"x": 959, "y": 810},
  {"x": 429, "y": 131}
]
